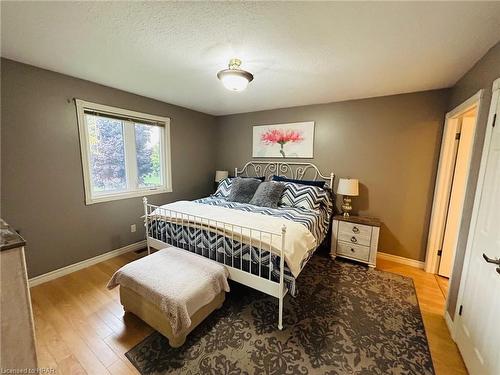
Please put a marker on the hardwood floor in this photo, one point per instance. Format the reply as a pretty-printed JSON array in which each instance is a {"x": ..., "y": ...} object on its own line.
[
  {"x": 80, "y": 325},
  {"x": 81, "y": 328},
  {"x": 443, "y": 284}
]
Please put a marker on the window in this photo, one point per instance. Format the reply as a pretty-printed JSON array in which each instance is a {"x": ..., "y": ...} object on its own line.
[{"x": 125, "y": 154}]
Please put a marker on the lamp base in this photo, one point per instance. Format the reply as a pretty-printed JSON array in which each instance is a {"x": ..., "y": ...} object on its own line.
[{"x": 346, "y": 206}]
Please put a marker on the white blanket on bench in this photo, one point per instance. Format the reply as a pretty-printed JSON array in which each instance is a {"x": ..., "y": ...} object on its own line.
[{"x": 175, "y": 280}]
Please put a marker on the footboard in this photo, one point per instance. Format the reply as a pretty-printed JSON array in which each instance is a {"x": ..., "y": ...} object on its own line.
[{"x": 249, "y": 254}]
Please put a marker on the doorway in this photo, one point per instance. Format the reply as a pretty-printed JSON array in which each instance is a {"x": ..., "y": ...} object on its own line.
[
  {"x": 464, "y": 140},
  {"x": 451, "y": 184}
]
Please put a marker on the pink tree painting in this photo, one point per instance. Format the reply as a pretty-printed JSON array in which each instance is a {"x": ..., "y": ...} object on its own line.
[
  {"x": 281, "y": 137},
  {"x": 293, "y": 140}
]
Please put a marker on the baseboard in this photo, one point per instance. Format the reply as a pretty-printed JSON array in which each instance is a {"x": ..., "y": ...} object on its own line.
[
  {"x": 85, "y": 263},
  {"x": 449, "y": 323},
  {"x": 401, "y": 260}
]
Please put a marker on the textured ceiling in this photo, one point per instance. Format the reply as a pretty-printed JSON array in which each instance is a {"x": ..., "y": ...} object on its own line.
[{"x": 300, "y": 53}]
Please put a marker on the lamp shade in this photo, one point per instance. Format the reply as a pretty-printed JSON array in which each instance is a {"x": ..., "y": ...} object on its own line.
[
  {"x": 220, "y": 175},
  {"x": 234, "y": 81},
  {"x": 235, "y": 78},
  {"x": 348, "y": 186}
]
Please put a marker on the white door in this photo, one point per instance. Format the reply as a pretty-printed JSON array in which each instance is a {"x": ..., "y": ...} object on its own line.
[{"x": 478, "y": 324}]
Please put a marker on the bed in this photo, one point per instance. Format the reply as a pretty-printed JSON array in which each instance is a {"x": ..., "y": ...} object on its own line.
[{"x": 263, "y": 248}]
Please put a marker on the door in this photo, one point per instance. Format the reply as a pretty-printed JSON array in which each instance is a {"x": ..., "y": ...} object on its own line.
[
  {"x": 460, "y": 175},
  {"x": 444, "y": 179},
  {"x": 477, "y": 324}
]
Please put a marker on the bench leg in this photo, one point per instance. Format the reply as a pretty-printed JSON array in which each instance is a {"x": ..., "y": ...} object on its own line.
[{"x": 176, "y": 342}]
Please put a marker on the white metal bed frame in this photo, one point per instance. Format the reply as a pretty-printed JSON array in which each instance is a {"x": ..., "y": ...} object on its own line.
[
  {"x": 294, "y": 170},
  {"x": 250, "y": 236}
]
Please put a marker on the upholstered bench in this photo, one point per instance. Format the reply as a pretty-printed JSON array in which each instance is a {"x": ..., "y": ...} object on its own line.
[{"x": 172, "y": 290}]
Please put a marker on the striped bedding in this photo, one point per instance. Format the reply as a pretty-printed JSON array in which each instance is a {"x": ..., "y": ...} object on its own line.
[{"x": 228, "y": 250}]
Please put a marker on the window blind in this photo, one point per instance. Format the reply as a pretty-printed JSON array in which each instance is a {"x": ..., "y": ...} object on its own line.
[{"x": 115, "y": 116}]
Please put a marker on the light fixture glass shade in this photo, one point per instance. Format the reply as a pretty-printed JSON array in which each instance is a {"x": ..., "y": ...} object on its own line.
[
  {"x": 234, "y": 82},
  {"x": 220, "y": 175},
  {"x": 348, "y": 186},
  {"x": 234, "y": 78}
]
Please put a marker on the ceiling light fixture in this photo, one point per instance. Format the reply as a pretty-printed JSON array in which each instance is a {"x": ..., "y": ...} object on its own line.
[{"x": 235, "y": 78}]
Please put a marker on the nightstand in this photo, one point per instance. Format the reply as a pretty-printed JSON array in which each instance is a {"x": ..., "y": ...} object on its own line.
[{"x": 355, "y": 237}]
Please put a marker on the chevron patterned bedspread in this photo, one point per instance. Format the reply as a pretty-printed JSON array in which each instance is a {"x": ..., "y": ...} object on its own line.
[{"x": 229, "y": 251}]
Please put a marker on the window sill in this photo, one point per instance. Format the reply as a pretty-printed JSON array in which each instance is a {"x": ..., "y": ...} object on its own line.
[{"x": 126, "y": 195}]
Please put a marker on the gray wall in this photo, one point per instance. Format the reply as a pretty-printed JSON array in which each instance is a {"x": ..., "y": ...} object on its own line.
[
  {"x": 42, "y": 184},
  {"x": 391, "y": 144},
  {"x": 481, "y": 76}
]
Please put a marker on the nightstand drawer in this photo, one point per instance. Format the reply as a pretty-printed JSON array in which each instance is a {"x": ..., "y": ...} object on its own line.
[
  {"x": 353, "y": 251},
  {"x": 356, "y": 229},
  {"x": 357, "y": 234}
]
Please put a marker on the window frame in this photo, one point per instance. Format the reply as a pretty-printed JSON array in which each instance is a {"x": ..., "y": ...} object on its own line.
[{"x": 166, "y": 187}]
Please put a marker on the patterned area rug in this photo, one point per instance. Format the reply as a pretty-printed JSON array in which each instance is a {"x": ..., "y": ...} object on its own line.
[{"x": 347, "y": 319}]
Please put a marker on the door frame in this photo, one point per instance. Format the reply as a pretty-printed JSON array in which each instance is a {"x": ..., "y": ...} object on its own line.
[
  {"x": 444, "y": 179},
  {"x": 495, "y": 97}
]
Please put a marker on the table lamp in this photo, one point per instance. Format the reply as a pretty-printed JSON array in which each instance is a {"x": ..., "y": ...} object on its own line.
[
  {"x": 348, "y": 187},
  {"x": 220, "y": 175}
]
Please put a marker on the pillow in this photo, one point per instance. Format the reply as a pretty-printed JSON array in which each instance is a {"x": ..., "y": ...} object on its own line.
[
  {"x": 320, "y": 184},
  {"x": 298, "y": 195},
  {"x": 268, "y": 194},
  {"x": 243, "y": 189},
  {"x": 262, "y": 178},
  {"x": 224, "y": 188}
]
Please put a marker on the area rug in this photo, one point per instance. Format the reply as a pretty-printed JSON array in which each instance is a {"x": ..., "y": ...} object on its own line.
[{"x": 347, "y": 319}]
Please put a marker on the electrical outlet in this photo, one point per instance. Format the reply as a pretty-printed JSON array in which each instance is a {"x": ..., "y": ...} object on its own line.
[{"x": 133, "y": 228}]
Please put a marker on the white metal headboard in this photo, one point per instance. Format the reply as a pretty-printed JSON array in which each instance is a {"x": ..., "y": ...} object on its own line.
[{"x": 295, "y": 170}]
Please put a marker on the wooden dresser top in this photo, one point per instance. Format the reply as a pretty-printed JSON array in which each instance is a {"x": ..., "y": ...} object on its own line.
[
  {"x": 9, "y": 238},
  {"x": 372, "y": 221}
]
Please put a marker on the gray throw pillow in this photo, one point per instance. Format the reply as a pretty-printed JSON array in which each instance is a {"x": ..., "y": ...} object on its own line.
[
  {"x": 268, "y": 194},
  {"x": 243, "y": 189}
]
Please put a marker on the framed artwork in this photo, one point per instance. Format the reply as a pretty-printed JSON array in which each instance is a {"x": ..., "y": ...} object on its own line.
[{"x": 294, "y": 140}]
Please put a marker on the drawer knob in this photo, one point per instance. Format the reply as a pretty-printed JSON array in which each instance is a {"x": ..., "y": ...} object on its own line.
[
  {"x": 353, "y": 239},
  {"x": 352, "y": 249},
  {"x": 355, "y": 229}
]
